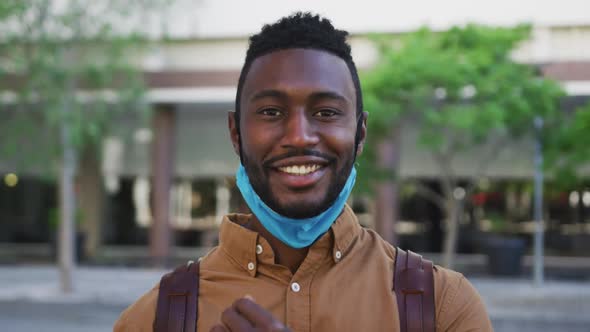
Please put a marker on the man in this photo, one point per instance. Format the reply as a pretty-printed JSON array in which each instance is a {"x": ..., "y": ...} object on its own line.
[{"x": 301, "y": 261}]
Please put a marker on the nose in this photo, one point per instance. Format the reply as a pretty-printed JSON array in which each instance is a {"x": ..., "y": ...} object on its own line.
[{"x": 299, "y": 131}]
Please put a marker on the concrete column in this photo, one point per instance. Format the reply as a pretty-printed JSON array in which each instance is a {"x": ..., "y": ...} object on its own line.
[
  {"x": 90, "y": 192},
  {"x": 164, "y": 126},
  {"x": 387, "y": 204}
]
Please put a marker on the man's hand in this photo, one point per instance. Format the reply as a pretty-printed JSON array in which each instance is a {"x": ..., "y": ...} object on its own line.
[{"x": 246, "y": 316}]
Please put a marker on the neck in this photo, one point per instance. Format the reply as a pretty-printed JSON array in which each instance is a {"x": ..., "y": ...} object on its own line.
[{"x": 284, "y": 255}]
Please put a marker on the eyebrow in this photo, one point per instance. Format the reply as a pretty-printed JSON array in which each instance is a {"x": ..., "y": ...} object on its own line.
[
  {"x": 328, "y": 95},
  {"x": 268, "y": 93},
  {"x": 314, "y": 96}
]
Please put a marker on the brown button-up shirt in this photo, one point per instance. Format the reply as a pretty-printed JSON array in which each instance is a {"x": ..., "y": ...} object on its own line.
[{"x": 344, "y": 284}]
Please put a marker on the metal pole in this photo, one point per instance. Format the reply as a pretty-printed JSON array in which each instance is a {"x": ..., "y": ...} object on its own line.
[{"x": 538, "y": 214}]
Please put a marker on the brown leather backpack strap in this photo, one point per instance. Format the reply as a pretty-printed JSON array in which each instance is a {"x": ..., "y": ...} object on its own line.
[
  {"x": 178, "y": 300},
  {"x": 413, "y": 283}
]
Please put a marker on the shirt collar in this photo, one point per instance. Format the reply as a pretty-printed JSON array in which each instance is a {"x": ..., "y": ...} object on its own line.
[
  {"x": 344, "y": 231},
  {"x": 240, "y": 243}
]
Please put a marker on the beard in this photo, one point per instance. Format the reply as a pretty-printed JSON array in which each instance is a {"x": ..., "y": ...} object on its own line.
[{"x": 259, "y": 179}]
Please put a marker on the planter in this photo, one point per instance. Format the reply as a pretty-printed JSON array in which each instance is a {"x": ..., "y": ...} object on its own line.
[
  {"x": 505, "y": 255},
  {"x": 580, "y": 243}
]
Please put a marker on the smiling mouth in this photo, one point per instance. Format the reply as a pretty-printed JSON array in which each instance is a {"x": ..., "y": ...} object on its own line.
[{"x": 300, "y": 169}]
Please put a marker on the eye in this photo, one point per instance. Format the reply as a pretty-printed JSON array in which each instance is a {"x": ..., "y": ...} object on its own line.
[
  {"x": 270, "y": 112},
  {"x": 326, "y": 113}
]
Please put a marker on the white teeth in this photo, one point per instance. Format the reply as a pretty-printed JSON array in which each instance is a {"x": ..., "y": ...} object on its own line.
[{"x": 300, "y": 169}]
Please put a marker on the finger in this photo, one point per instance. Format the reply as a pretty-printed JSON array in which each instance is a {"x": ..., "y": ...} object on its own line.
[
  {"x": 255, "y": 314},
  {"x": 218, "y": 328},
  {"x": 234, "y": 320}
]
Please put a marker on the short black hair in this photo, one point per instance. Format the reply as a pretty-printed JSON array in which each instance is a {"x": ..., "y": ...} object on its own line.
[{"x": 300, "y": 30}]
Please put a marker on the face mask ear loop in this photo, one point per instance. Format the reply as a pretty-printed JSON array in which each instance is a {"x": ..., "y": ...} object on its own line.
[
  {"x": 237, "y": 122},
  {"x": 357, "y": 136}
]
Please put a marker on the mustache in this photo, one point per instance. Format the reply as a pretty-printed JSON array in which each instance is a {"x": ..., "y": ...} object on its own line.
[{"x": 299, "y": 153}]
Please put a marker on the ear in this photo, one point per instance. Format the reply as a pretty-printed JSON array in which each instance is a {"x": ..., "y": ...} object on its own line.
[
  {"x": 234, "y": 132},
  {"x": 363, "y": 134}
]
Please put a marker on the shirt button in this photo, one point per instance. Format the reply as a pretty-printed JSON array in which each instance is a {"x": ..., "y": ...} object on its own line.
[
  {"x": 295, "y": 287},
  {"x": 258, "y": 249},
  {"x": 250, "y": 266},
  {"x": 338, "y": 255}
]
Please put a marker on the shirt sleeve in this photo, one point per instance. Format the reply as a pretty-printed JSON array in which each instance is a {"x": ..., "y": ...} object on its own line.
[
  {"x": 139, "y": 317},
  {"x": 123, "y": 326},
  {"x": 459, "y": 306}
]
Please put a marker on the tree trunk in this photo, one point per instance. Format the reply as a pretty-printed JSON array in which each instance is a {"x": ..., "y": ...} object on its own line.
[
  {"x": 453, "y": 213},
  {"x": 91, "y": 199},
  {"x": 66, "y": 251},
  {"x": 387, "y": 208}
]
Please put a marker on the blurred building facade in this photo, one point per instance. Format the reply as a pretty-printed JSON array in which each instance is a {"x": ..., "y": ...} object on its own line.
[{"x": 192, "y": 72}]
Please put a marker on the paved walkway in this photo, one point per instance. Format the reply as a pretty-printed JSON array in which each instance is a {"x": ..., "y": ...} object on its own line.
[
  {"x": 517, "y": 305},
  {"x": 514, "y": 305},
  {"x": 118, "y": 286}
]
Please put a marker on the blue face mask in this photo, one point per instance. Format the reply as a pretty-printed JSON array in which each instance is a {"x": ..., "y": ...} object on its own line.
[{"x": 296, "y": 233}]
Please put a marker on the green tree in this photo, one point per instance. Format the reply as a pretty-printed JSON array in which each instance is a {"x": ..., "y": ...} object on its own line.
[
  {"x": 67, "y": 69},
  {"x": 568, "y": 153},
  {"x": 464, "y": 91}
]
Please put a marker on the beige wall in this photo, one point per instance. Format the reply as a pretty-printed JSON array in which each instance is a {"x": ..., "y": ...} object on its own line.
[{"x": 547, "y": 45}]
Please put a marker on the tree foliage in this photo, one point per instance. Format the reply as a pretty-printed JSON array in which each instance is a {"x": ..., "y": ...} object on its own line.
[
  {"x": 461, "y": 86},
  {"x": 66, "y": 63},
  {"x": 568, "y": 152}
]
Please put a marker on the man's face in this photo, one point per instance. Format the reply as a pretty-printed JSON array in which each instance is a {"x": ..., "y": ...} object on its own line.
[{"x": 298, "y": 124}]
